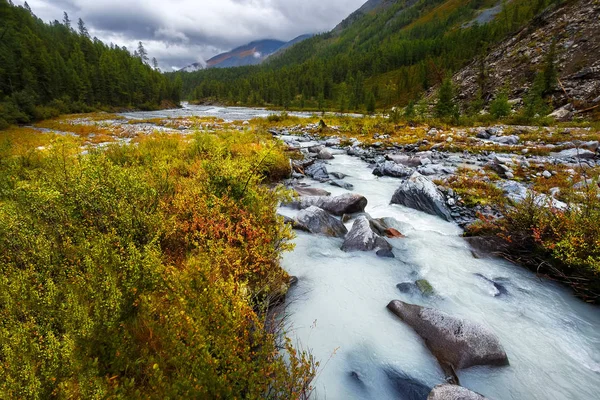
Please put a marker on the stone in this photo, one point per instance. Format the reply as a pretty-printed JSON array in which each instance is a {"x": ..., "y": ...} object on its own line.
[
  {"x": 575, "y": 153},
  {"x": 393, "y": 233},
  {"x": 453, "y": 392},
  {"x": 547, "y": 174},
  {"x": 499, "y": 289},
  {"x": 483, "y": 134},
  {"x": 425, "y": 287},
  {"x": 421, "y": 194},
  {"x": 407, "y": 387},
  {"x": 453, "y": 341},
  {"x": 316, "y": 149},
  {"x": 562, "y": 114},
  {"x": 318, "y": 172},
  {"x": 390, "y": 168},
  {"x": 512, "y": 139},
  {"x": 403, "y": 159},
  {"x": 348, "y": 203},
  {"x": 342, "y": 184},
  {"x": 325, "y": 155},
  {"x": 385, "y": 253},
  {"x": 338, "y": 175},
  {"x": 362, "y": 238},
  {"x": 318, "y": 221},
  {"x": 308, "y": 191}
]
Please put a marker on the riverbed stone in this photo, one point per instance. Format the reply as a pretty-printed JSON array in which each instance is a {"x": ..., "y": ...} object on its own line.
[
  {"x": 348, "y": 203},
  {"x": 453, "y": 392},
  {"x": 453, "y": 341},
  {"x": 325, "y": 155},
  {"x": 390, "y": 168},
  {"x": 309, "y": 191},
  {"x": 319, "y": 221},
  {"x": 318, "y": 172},
  {"x": 362, "y": 238},
  {"x": 341, "y": 184},
  {"x": 420, "y": 193}
]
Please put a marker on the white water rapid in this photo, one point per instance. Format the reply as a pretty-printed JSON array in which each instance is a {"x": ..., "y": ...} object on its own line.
[{"x": 338, "y": 310}]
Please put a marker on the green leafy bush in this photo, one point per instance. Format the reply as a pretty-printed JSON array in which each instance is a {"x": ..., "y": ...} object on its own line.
[{"x": 143, "y": 272}]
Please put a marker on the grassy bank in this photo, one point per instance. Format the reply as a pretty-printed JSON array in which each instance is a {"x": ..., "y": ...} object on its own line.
[{"x": 143, "y": 271}]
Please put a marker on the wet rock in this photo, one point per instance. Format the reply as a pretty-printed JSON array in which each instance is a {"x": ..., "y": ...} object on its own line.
[
  {"x": 453, "y": 341},
  {"x": 318, "y": 221},
  {"x": 499, "y": 288},
  {"x": 317, "y": 172},
  {"x": 405, "y": 160},
  {"x": 407, "y": 387},
  {"x": 293, "y": 281},
  {"x": 316, "y": 149},
  {"x": 575, "y": 153},
  {"x": 390, "y": 168},
  {"x": 425, "y": 287},
  {"x": 294, "y": 223},
  {"x": 362, "y": 238},
  {"x": 385, "y": 253},
  {"x": 348, "y": 203},
  {"x": 325, "y": 155},
  {"x": 421, "y": 194},
  {"x": 308, "y": 191},
  {"x": 453, "y": 392},
  {"x": 338, "y": 175},
  {"x": 342, "y": 184},
  {"x": 486, "y": 246},
  {"x": 332, "y": 142}
]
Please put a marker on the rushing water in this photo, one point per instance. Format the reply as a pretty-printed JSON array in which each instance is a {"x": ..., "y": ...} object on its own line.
[
  {"x": 225, "y": 113},
  {"x": 338, "y": 310}
]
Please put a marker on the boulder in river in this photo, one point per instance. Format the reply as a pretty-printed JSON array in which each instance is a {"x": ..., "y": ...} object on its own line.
[
  {"x": 453, "y": 392},
  {"x": 390, "y": 168},
  {"x": 421, "y": 194},
  {"x": 321, "y": 222},
  {"x": 348, "y": 203},
  {"x": 407, "y": 387},
  {"x": 362, "y": 238},
  {"x": 453, "y": 341},
  {"x": 318, "y": 172},
  {"x": 325, "y": 155},
  {"x": 341, "y": 184},
  {"x": 308, "y": 191}
]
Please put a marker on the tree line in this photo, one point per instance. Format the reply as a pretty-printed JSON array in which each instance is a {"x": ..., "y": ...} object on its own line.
[{"x": 47, "y": 69}]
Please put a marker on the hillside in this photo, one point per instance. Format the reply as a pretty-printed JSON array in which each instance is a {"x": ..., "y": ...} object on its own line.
[
  {"x": 387, "y": 53},
  {"x": 573, "y": 30}
]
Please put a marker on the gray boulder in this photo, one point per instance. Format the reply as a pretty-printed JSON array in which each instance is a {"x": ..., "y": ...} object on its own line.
[
  {"x": 342, "y": 184},
  {"x": 421, "y": 194},
  {"x": 453, "y": 341},
  {"x": 575, "y": 153},
  {"x": 348, "y": 203},
  {"x": 308, "y": 191},
  {"x": 453, "y": 392},
  {"x": 316, "y": 149},
  {"x": 362, "y": 238},
  {"x": 390, "y": 168},
  {"x": 318, "y": 221},
  {"x": 325, "y": 155},
  {"x": 318, "y": 172}
]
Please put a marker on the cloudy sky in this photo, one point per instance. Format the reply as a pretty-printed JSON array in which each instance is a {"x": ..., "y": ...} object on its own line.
[{"x": 179, "y": 32}]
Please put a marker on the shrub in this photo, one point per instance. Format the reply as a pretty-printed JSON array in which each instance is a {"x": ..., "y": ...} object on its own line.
[
  {"x": 142, "y": 272},
  {"x": 500, "y": 107}
]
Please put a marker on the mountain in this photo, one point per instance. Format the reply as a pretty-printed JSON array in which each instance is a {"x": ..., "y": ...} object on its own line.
[
  {"x": 250, "y": 54},
  {"x": 199, "y": 66},
  {"x": 391, "y": 52}
]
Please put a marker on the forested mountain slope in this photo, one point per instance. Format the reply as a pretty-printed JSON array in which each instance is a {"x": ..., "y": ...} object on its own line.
[
  {"x": 387, "y": 54},
  {"x": 566, "y": 37},
  {"x": 48, "y": 69}
]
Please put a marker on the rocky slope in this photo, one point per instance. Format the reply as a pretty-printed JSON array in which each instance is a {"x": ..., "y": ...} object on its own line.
[{"x": 575, "y": 28}]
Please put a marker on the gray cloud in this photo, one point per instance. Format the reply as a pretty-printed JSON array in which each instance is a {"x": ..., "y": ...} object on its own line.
[{"x": 179, "y": 32}]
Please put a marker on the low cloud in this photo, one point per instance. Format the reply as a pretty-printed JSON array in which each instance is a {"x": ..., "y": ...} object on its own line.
[{"x": 179, "y": 32}]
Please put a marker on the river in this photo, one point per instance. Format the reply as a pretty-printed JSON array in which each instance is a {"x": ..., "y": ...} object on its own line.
[{"x": 338, "y": 310}]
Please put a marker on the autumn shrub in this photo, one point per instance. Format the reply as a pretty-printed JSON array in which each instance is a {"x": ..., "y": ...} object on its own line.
[
  {"x": 143, "y": 271},
  {"x": 561, "y": 243}
]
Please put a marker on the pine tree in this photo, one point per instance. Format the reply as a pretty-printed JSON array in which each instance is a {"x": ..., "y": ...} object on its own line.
[
  {"x": 371, "y": 103},
  {"x": 66, "y": 20},
  {"x": 142, "y": 54},
  {"x": 82, "y": 29},
  {"x": 446, "y": 106},
  {"x": 155, "y": 64}
]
